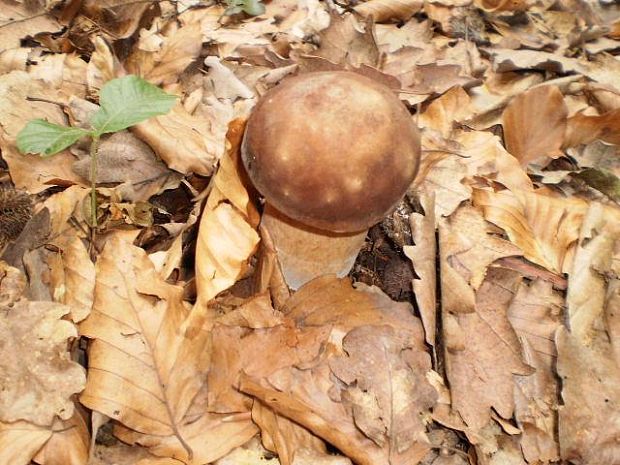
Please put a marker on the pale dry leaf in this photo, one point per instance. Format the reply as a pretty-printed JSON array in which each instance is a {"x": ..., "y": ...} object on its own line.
[
  {"x": 72, "y": 275},
  {"x": 68, "y": 444},
  {"x": 588, "y": 279},
  {"x": 184, "y": 142},
  {"x": 63, "y": 206},
  {"x": 180, "y": 47},
  {"x": 225, "y": 84},
  {"x": 210, "y": 437},
  {"x": 38, "y": 377},
  {"x": 483, "y": 351},
  {"x": 14, "y": 59},
  {"x": 423, "y": 255},
  {"x": 147, "y": 361},
  {"x": 252, "y": 453},
  {"x": 590, "y": 417},
  {"x": 535, "y": 313},
  {"x": 545, "y": 228},
  {"x": 13, "y": 283},
  {"x": 20, "y": 441},
  {"x": 102, "y": 67},
  {"x": 345, "y": 43},
  {"x": 389, "y": 10},
  {"x": 30, "y": 172},
  {"x": 63, "y": 72},
  {"x": 227, "y": 234},
  {"x": 19, "y": 20},
  {"x": 534, "y": 125},
  {"x": 502, "y": 5},
  {"x": 292, "y": 442}
]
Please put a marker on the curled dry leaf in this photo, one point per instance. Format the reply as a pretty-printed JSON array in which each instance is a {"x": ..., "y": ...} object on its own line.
[
  {"x": 38, "y": 376},
  {"x": 69, "y": 443},
  {"x": 389, "y": 10},
  {"x": 102, "y": 67},
  {"x": 423, "y": 257},
  {"x": 147, "y": 361},
  {"x": 186, "y": 143},
  {"x": 584, "y": 129},
  {"x": 20, "y": 441},
  {"x": 545, "y": 228},
  {"x": 534, "y": 125},
  {"x": 227, "y": 234}
]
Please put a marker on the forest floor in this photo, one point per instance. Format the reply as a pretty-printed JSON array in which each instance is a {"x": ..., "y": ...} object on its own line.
[{"x": 480, "y": 324}]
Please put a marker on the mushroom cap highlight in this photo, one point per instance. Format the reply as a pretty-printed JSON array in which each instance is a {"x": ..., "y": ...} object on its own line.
[{"x": 333, "y": 150}]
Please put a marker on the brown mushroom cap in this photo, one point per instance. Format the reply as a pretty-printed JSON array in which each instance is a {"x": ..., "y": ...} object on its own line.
[{"x": 333, "y": 150}]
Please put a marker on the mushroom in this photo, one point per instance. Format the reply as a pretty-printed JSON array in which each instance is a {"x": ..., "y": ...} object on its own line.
[{"x": 332, "y": 153}]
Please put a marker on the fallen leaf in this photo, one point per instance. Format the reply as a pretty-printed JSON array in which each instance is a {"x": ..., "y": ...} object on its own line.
[
  {"x": 344, "y": 43},
  {"x": 442, "y": 113},
  {"x": 38, "y": 376},
  {"x": 423, "y": 257},
  {"x": 534, "y": 125},
  {"x": 20, "y": 441},
  {"x": 146, "y": 359},
  {"x": 584, "y": 129},
  {"x": 389, "y": 10},
  {"x": 183, "y": 141},
  {"x": 19, "y": 20},
  {"x": 68, "y": 444},
  {"x": 545, "y": 228},
  {"x": 102, "y": 67}
]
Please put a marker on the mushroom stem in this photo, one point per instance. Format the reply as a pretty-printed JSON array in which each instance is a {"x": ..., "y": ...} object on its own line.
[{"x": 305, "y": 252}]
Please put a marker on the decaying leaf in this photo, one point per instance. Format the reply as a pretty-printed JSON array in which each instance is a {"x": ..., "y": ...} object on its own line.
[
  {"x": 386, "y": 10},
  {"x": 20, "y": 441},
  {"x": 37, "y": 376}
]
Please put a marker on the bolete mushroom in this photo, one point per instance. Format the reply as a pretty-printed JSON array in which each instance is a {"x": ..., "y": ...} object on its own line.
[{"x": 332, "y": 153}]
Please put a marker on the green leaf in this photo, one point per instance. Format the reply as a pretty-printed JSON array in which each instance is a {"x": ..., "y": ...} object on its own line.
[
  {"x": 127, "y": 101},
  {"x": 39, "y": 136},
  {"x": 254, "y": 7}
]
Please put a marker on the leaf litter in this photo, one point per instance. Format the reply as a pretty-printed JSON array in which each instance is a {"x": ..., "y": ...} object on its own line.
[{"x": 479, "y": 324}]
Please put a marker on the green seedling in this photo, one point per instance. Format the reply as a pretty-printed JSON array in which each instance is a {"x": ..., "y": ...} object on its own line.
[
  {"x": 250, "y": 7},
  {"x": 123, "y": 102}
]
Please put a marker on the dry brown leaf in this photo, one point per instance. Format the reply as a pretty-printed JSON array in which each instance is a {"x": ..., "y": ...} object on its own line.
[
  {"x": 535, "y": 313},
  {"x": 389, "y": 10},
  {"x": 38, "y": 377},
  {"x": 545, "y": 228},
  {"x": 590, "y": 416},
  {"x": 12, "y": 284},
  {"x": 383, "y": 371},
  {"x": 210, "y": 437},
  {"x": 72, "y": 276},
  {"x": 534, "y": 125},
  {"x": 30, "y": 172},
  {"x": 252, "y": 453},
  {"x": 184, "y": 142},
  {"x": 180, "y": 47},
  {"x": 423, "y": 257},
  {"x": 344, "y": 43},
  {"x": 69, "y": 443},
  {"x": 584, "y": 129},
  {"x": 442, "y": 113},
  {"x": 118, "y": 18},
  {"x": 483, "y": 352},
  {"x": 227, "y": 234},
  {"x": 147, "y": 361},
  {"x": 19, "y": 20},
  {"x": 226, "y": 85},
  {"x": 103, "y": 66},
  {"x": 20, "y": 441},
  {"x": 288, "y": 439},
  {"x": 589, "y": 277},
  {"x": 328, "y": 310},
  {"x": 503, "y": 5},
  {"x": 123, "y": 158}
]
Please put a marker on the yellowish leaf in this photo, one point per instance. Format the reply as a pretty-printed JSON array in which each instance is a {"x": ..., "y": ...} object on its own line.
[
  {"x": 20, "y": 441},
  {"x": 389, "y": 10}
]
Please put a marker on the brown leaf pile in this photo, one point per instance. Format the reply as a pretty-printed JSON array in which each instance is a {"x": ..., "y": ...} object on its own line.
[{"x": 480, "y": 324}]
